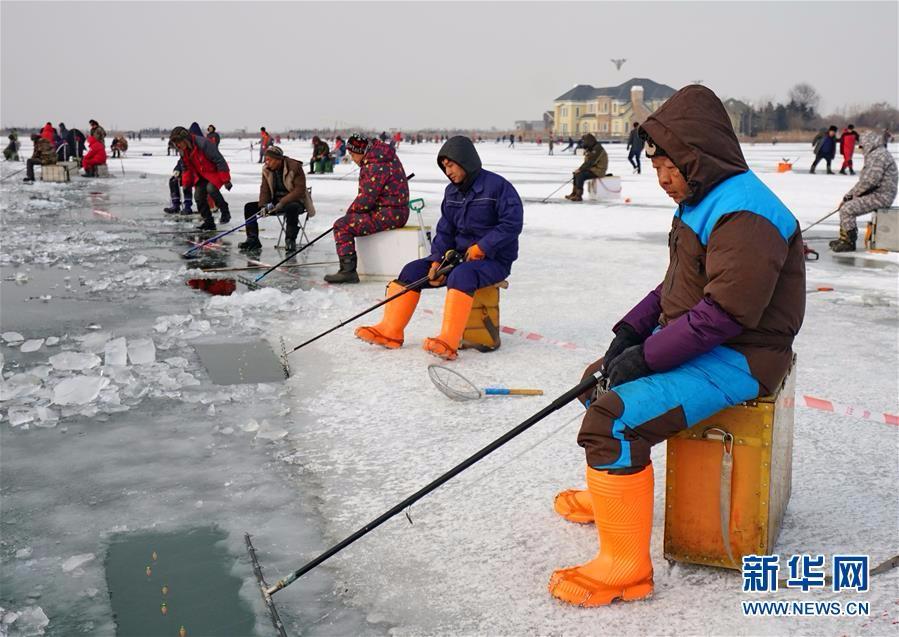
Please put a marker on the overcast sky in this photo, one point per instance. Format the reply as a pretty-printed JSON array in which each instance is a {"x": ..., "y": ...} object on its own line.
[{"x": 412, "y": 65}]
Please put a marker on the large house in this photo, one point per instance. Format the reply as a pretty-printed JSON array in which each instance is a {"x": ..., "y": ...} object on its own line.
[{"x": 607, "y": 112}]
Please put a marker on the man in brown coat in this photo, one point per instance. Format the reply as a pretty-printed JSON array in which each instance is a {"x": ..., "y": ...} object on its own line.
[
  {"x": 717, "y": 331},
  {"x": 283, "y": 192},
  {"x": 596, "y": 163},
  {"x": 44, "y": 155}
]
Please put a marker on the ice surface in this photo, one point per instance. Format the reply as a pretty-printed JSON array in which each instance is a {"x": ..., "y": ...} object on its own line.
[
  {"x": 24, "y": 553},
  {"x": 116, "y": 352},
  {"x": 32, "y": 345},
  {"x": 270, "y": 432},
  {"x": 74, "y": 361},
  {"x": 18, "y": 416},
  {"x": 30, "y": 621},
  {"x": 19, "y": 385},
  {"x": 78, "y": 390},
  {"x": 76, "y": 561},
  {"x": 141, "y": 351}
]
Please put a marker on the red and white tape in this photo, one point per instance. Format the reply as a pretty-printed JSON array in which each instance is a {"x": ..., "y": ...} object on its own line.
[{"x": 853, "y": 411}]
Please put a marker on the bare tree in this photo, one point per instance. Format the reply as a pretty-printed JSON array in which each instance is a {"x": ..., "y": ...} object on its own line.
[{"x": 805, "y": 97}]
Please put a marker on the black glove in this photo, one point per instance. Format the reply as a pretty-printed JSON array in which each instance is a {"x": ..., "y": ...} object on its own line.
[
  {"x": 228, "y": 185},
  {"x": 847, "y": 198},
  {"x": 625, "y": 336},
  {"x": 629, "y": 365}
]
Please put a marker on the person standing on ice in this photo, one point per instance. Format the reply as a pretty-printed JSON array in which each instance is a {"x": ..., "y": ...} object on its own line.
[
  {"x": 283, "y": 192},
  {"x": 847, "y": 140},
  {"x": 876, "y": 188},
  {"x": 481, "y": 216},
  {"x": 382, "y": 202},
  {"x": 265, "y": 140},
  {"x": 635, "y": 147},
  {"x": 826, "y": 149},
  {"x": 717, "y": 331},
  {"x": 212, "y": 135},
  {"x": 206, "y": 171},
  {"x": 596, "y": 163}
]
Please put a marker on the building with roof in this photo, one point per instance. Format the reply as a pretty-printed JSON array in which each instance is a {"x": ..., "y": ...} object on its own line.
[{"x": 608, "y": 111}]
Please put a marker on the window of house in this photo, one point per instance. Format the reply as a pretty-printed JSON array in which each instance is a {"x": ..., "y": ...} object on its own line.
[
  {"x": 614, "y": 108},
  {"x": 604, "y": 127},
  {"x": 564, "y": 128},
  {"x": 563, "y": 112},
  {"x": 577, "y": 111},
  {"x": 604, "y": 107},
  {"x": 591, "y": 108}
]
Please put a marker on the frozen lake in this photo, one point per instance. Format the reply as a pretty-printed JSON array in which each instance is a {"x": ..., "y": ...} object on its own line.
[{"x": 111, "y": 426}]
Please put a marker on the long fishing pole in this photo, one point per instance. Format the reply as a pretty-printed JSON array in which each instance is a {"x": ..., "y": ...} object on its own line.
[
  {"x": 585, "y": 385},
  {"x": 259, "y": 267},
  {"x": 546, "y": 198},
  {"x": 829, "y": 214},
  {"x": 450, "y": 260},
  {"x": 293, "y": 254},
  {"x": 220, "y": 235},
  {"x": 12, "y": 174}
]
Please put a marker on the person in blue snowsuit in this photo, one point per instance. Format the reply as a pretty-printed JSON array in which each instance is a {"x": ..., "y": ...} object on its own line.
[{"x": 481, "y": 217}]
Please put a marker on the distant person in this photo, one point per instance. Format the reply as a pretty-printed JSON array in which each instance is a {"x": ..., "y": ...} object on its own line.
[
  {"x": 95, "y": 156},
  {"x": 75, "y": 141},
  {"x": 63, "y": 151},
  {"x": 382, "y": 202},
  {"x": 97, "y": 132},
  {"x": 596, "y": 163},
  {"x": 383, "y": 136},
  {"x": 876, "y": 188},
  {"x": 175, "y": 192},
  {"x": 43, "y": 155},
  {"x": 635, "y": 147},
  {"x": 570, "y": 145},
  {"x": 265, "y": 140},
  {"x": 887, "y": 136},
  {"x": 207, "y": 171},
  {"x": 212, "y": 135},
  {"x": 551, "y": 144},
  {"x": 826, "y": 149},
  {"x": 339, "y": 150},
  {"x": 49, "y": 133},
  {"x": 848, "y": 140},
  {"x": 320, "y": 152},
  {"x": 283, "y": 192},
  {"x": 119, "y": 145},
  {"x": 511, "y": 141},
  {"x": 11, "y": 152}
]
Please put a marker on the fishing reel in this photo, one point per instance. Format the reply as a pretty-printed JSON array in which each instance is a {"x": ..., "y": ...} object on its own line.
[{"x": 602, "y": 386}]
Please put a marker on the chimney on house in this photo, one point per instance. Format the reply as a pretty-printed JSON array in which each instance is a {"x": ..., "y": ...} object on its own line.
[{"x": 638, "y": 107}]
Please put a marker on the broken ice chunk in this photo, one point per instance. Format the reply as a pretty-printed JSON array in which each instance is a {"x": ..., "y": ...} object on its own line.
[
  {"x": 75, "y": 561},
  {"x": 24, "y": 553},
  {"x": 51, "y": 341},
  {"x": 116, "y": 352},
  {"x": 141, "y": 351},
  {"x": 19, "y": 385},
  {"x": 18, "y": 416},
  {"x": 12, "y": 337},
  {"x": 78, "y": 390},
  {"x": 31, "y": 345},
  {"x": 139, "y": 259},
  {"x": 74, "y": 361}
]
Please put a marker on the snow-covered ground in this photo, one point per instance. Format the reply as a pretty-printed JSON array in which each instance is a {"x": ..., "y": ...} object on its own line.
[{"x": 111, "y": 424}]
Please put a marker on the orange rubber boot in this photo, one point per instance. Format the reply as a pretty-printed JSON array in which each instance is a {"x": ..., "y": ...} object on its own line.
[
  {"x": 623, "y": 568},
  {"x": 389, "y": 332},
  {"x": 456, "y": 309},
  {"x": 575, "y": 505}
]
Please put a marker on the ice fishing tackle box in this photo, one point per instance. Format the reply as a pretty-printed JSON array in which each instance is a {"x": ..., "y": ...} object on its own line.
[
  {"x": 884, "y": 229},
  {"x": 482, "y": 329},
  {"x": 730, "y": 476}
]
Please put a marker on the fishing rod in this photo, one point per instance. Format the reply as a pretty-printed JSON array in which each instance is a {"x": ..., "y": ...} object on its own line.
[
  {"x": 450, "y": 260},
  {"x": 220, "y": 235}
]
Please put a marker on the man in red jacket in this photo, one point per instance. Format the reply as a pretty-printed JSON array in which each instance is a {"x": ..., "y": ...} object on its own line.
[
  {"x": 206, "y": 170},
  {"x": 848, "y": 140}
]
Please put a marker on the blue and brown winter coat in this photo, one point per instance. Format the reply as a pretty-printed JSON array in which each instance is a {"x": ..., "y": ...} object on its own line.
[
  {"x": 382, "y": 184},
  {"x": 736, "y": 271}
]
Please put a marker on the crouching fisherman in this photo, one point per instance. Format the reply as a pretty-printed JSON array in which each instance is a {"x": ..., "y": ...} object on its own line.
[
  {"x": 283, "y": 192},
  {"x": 717, "y": 331},
  {"x": 481, "y": 217},
  {"x": 206, "y": 171}
]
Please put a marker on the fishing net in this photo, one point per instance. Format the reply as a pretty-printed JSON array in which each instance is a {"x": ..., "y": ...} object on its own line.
[{"x": 453, "y": 384}]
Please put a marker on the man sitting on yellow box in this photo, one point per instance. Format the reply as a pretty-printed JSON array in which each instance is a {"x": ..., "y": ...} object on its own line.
[
  {"x": 481, "y": 217},
  {"x": 717, "y": 331}
]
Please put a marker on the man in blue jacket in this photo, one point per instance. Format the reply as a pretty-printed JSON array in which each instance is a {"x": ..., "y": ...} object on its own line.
[
  {"x": 826, "y": 150},
  {"x": 481, "y": 217}
]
